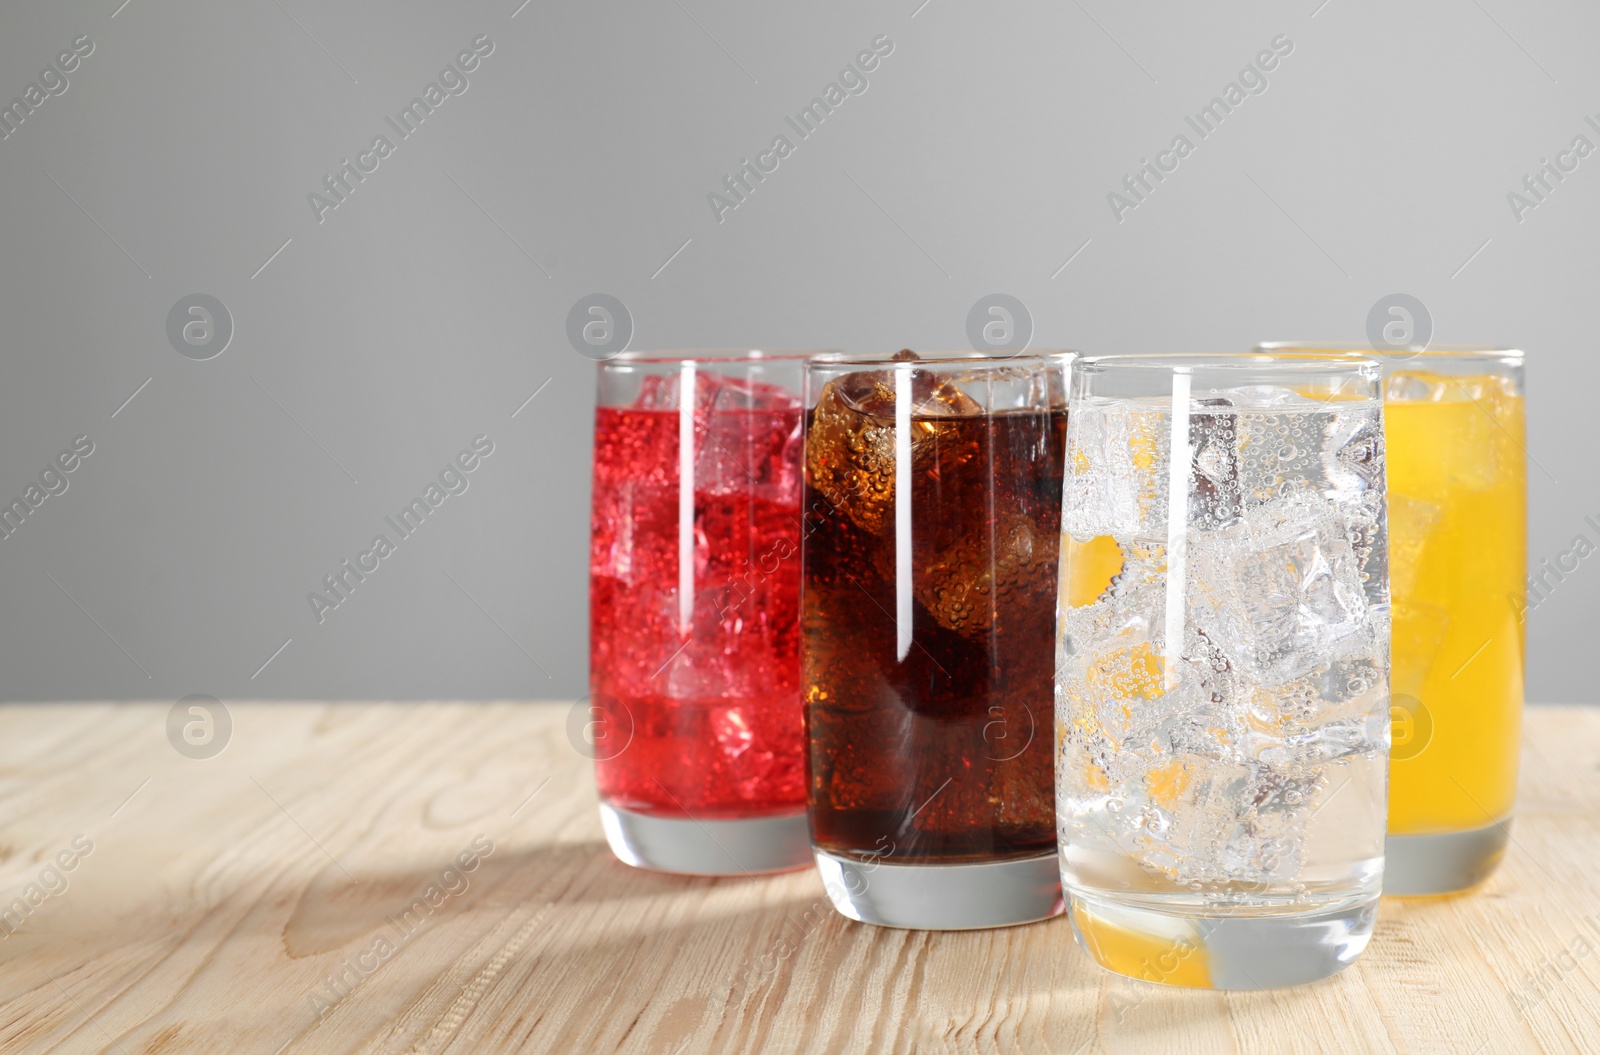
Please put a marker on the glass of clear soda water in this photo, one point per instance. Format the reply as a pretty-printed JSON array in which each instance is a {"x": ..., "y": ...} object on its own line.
[{"x": 1222, "y": 685}]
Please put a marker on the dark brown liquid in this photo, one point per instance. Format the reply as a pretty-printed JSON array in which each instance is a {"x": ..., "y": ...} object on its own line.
[{"x": 944, "y": 754}]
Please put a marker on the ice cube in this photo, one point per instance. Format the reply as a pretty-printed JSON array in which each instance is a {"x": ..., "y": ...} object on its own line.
[
  {"x": 665, "y": 391},
  {"x": 1111, "y": 684},
  {"x": 713, "y": 390},
  {"x": 1210, "y": 820},
  {"x": 1135, "y": 614},
  {"x": 968, "y": 584},
  {"x": 1280, "y": 441},
  {"x": 1336, "y": 712},
  {"x": 1268, "y": 722},
  {"x": 1118, "y": 456},
  {"x": 850, "y": 452},
  {"x": 1114, "y": 664},
  {"x": 747, "y": 441},
  {"x": 1417, "y": 386},
  {"x": 746, "y": 433},
  {"x": 738, "y": 393},
  {"x": 1352, "y": 450},
  {"x": 1281, "y": 592},
  {"x": 701, "y": 664},
  {"x": 1271, "y": 397},
  {"x": 1143, "y": 564},
  {"x": 1116, "y": 482},
  {"x": 1215, "y": 497}
]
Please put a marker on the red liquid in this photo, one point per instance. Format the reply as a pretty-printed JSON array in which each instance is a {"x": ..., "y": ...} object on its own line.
[{"x": 709, "y": 712}]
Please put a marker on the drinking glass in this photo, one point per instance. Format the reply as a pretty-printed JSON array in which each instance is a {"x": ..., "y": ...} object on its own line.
[
  {"x": 1458, "y": 551},
  {"x": 694, "y": 579},
  {"x": 1222, "y": 679},
  {"x": 928, "y": 554}
]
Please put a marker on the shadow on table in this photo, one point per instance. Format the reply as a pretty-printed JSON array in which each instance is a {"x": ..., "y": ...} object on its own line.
[
  {"x": 593, "y": 948},
  {"x": 751, "y": 960}
]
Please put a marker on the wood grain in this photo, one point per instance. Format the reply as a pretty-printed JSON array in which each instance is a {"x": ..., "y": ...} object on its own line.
[{"x": 220, "y": 897}]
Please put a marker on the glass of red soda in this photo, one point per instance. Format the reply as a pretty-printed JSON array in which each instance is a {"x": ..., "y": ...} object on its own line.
[
  {"x": 932, "y": 528},
  {"x": 694, "y": 714}
]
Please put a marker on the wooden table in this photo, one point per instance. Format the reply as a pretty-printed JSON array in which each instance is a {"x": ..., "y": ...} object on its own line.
[{"x": 305, "y": 891}]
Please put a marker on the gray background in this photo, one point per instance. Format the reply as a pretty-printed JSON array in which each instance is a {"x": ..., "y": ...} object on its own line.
[{"x": 427, "y": 308}]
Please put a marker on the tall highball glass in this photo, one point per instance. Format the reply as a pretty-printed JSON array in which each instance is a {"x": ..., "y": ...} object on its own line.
[
  {"x": 1222, "y": 687},
  {"x": 1458, "y": 554},
  {"x": 694, "y": 716},
  {"x": 931, "y": 528}
]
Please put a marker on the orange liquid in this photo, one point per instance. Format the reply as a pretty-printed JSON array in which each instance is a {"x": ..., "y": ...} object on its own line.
[
  {"x": 1457, "y": 562},
  {"x": 1176, "y": 959}
]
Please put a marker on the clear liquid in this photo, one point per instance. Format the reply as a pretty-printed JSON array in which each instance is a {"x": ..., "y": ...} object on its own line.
[{"x": 1239, "y": 769}]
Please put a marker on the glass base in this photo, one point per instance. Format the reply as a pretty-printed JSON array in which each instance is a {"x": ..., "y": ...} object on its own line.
[
  {"x": 1223, "y": 952},
  {"x": 943, "y": 897},
  {"x": 747, "y": 846},
  {"x": 1444, "y": 862}
]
